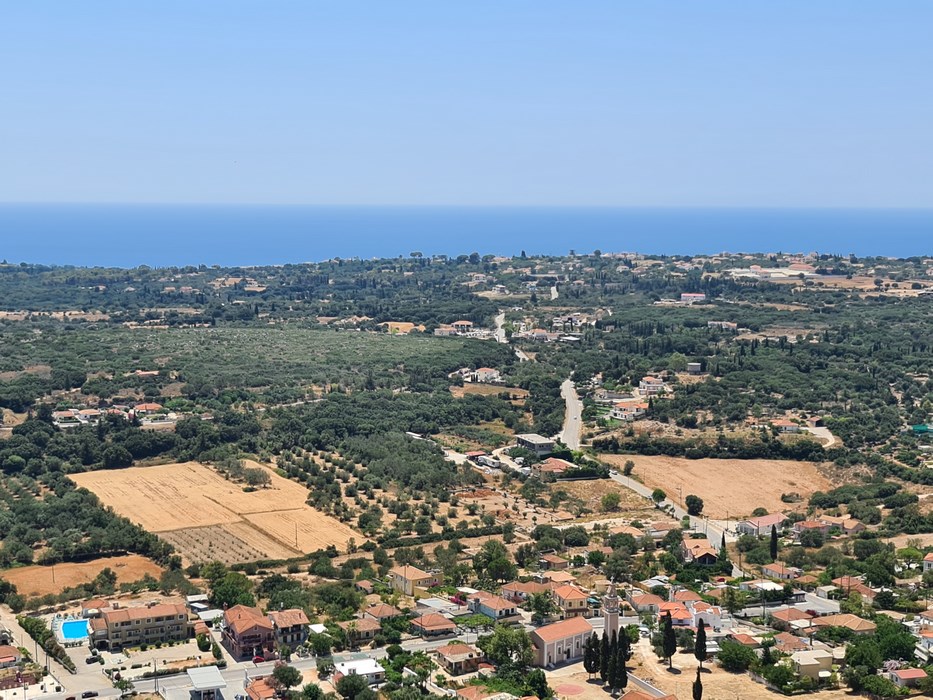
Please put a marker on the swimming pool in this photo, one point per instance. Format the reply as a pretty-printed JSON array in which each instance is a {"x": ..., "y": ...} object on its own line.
[{"x": 73, "y": 630}]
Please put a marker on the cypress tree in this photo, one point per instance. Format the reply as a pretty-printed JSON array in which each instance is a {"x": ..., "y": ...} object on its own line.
[
  {"x": 774, "y": 543},
  {"x": 591, "y": 655},
  {"x": 621, "y": 671},
  {"x": 625, "y": 645},
  {"x": 699, "y": 647},
  {"x": 669, "y": 643},
  {"x": 612, "y": 672},
  {"x": 604, "y": 658}
]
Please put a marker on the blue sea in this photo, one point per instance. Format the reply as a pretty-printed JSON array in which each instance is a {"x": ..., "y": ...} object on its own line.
[{"x": 163, "y": 235}]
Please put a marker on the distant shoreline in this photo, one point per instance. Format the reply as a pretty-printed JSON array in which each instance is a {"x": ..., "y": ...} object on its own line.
[{"x": 161, "y": 235}]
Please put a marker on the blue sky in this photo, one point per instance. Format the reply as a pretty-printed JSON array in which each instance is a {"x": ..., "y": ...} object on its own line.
[{"x": 792, "y": 103}]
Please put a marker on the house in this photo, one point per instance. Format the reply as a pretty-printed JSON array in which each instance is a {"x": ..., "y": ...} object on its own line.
[
  {"x": 558, "y": 577},
  {"x": 779, "y": 571},
  {"x": 642, "y": 695},
  {"x": 364, "y": 586},
  {"x": 762, "y": 525},
  {"x": 690, "y": 298},
  {"x": 462, "y": 326},
  {"x": 262, "y": 688},
  {"x": 552, "y": 562},
  {"x": 119, "y": 627},
  {"x": 852, "y": 622},
  {"x": 850, "y": 584},
  {"x": 289, "y": 626},
  {"x": 785, "y": 426},
  {"x": 811, "y": 526},
  {"x": 433, "y": 625},
  {"x": 686, "y": 596},
  {"x": 10, "y": 656},
  {"x": 646, "y": 603},
  {"x": 694, "y": 368},
  {"x": 928, "y": 562},
  {"x": 458, "y": 658},
  {"x": 360, "y": 631},
  {"x": 651, "y": 386},
  {"x": 628, "y": 410},
  {"x": 787, "y": 643},
  {"x": 407, "y": 579},
  {"x": 746, "y": 640},
  {"x": 142, "y": 409},
  {"x": 493, "y": 606},
  {"x": 552, "y": 468},
  {"x": 487, "y": 375},
  {"x": 366, "y": 667},
  {"x": 247, "y": 632},
  {"x": 382, "y": 611},
  {"x": 535, "y": 443},
  {"x": 786, "y": 619},
  {"x": 847, "y": 525},
  {"x": 560, "y": 642},
  {"x": 571, "y": 601},
  {"x": 678, "y": 612},
  {"x": 815, "y": 664},
  {"x": 907, "y": 677},
  {"x": 520, "y": 592},
  {"x": 699, "y": 552}
]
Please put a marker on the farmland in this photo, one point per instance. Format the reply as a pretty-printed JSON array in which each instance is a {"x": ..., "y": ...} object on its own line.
[
  {"x": 733, "y": 487},
  {"x": 43, "y": 580},
  {"x": 207, "y": 517}
]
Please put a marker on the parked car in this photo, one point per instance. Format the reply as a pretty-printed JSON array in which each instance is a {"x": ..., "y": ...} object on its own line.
[
  {"x": 258, "y": 659},
  {"x": 89, "y": 694}
]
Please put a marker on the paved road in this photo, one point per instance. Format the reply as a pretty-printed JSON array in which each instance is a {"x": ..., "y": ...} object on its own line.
[
  {"x": 573, "y": 416},
  {"x": 500, "y": 331}
]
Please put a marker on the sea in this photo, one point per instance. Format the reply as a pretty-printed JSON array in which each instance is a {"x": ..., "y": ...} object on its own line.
[{"x": 242, "y": 235}]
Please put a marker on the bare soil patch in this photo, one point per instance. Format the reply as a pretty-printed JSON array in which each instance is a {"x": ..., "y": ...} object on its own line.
[
  {"x": 201, "y": 512},
  {"x": 515, "y": 393},
  {"x": 733, "y": 487},
  {"x": 41, "y": 580}
]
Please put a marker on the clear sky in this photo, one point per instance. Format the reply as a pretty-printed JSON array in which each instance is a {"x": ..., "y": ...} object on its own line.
[{"x": 712, "y": 103}]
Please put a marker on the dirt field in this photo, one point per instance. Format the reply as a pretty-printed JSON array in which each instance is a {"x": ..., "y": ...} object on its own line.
[
  {"x": 733, "y": 487},
  {"x": 488, "y": 390},
  {"x": 631, "y": 506},
  {"x": 208, "y": 517},
  {"x": 38, "y": 580}
]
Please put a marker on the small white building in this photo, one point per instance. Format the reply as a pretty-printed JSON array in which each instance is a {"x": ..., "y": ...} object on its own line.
[{"x": 369, "y": 668}]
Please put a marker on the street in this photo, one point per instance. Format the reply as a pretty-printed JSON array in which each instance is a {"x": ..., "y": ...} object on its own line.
[{"x": 573, "y": 416}]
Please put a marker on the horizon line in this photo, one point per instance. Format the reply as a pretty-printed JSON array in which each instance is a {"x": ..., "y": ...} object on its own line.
[{"x": 641, "y": 207}]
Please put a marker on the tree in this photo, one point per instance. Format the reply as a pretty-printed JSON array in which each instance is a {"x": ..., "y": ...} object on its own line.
[
  {"x": 610, "y": 501},
  {"x": 657, "y": 496},
  {"x": 774, "y": 543},
  {"x": 536, "y": 682},
  {"x": 286, "y": 676},
  {"x": 591, "y": 655},
  {"x": 628, "y": 467},
  {"x": 694, "y": 504},
  {"x": 542, "y": 605},
  {"x": 735, "y": 657},
  {"x": 233, "y": 589},
  {"x": 604, "y": 658},
  {"x": 311, "y": 691},
  {"x": 669, "y": 641},
  {"x": 352, "y": 685},
  {"x": 698, "y": 687},
  {"x": 699, "y": 645},
  {"x": 493, "y": 562},
  {"x": 509, "y": 648},
  {"x": 621, "y": 676}
]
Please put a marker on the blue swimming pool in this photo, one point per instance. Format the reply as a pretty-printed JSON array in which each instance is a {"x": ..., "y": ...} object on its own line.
[{"x": 73, "y": 630}]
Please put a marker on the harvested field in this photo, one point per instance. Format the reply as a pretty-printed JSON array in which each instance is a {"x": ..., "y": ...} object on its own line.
[
  {"x": 208, "y": 517},
  {"x": 733, "y": 487},
  {"x": 38, "y": 580}
]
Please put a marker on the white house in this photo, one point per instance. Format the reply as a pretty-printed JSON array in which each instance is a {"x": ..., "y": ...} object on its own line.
[
  {"x": 369, "y": 668},
  {"x": 928, "y": 562}
]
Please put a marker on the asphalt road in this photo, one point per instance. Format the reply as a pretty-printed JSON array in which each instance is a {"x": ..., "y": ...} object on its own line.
[{"x": 573, "y": 416}]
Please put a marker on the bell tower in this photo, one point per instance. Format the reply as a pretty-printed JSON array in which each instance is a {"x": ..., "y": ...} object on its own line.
[{"x": 611, "y": 610}]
